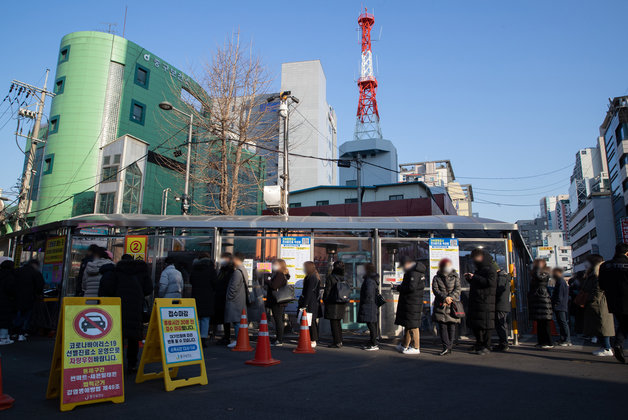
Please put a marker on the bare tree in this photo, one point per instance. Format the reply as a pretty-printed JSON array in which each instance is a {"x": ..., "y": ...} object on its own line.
[{"x": 234, "y": 130}]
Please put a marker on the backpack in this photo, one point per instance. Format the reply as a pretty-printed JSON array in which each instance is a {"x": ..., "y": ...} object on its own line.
[{"x": 340, "y": 293}]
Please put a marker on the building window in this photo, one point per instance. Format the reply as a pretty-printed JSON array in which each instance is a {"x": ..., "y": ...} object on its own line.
[
  {"x": 109, "y": 170},
  {"x": 53, "y": 125},
  {"x": 395, "y": 197},
  {"x": 351, "y": 200},
  {"x": 47, "y": 166},
  {"x": 593, "y": 233},
  {"x": 591, "y": 215},
  {"x": 138, "y": 112},
  {"x": 107, "y": 201},
  {"x": 59, "y": 85},
  {"x": 132, "y": 189},
  {"x": 116, "y": 158},
  {"x": 322, "y": 203},
  {"x": 295, "y": 205},
  {"x": 64, "y": 54},
  {"x": 564, "y": 259},
  {"x": 141, "y": 76}
]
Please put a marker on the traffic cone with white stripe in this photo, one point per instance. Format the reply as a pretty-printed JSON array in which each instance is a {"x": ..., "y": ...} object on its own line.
[
  {"x": 305, "y": 343},
  {"x": 6, "y": 401},
  {"x": 262, "y": 350},
  {"x": 243, "y": 343}
]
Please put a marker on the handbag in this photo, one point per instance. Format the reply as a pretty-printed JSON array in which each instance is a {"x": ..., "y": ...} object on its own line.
[
  {"x": 284, "y": 294},
  {"x": 581, "y": 299},
  {"x": 379, "y": 300},
  {"x": 456, "y": 310}
]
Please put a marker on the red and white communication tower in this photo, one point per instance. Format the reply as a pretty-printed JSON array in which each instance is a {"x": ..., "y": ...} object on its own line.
[{"x": 367, "y": 122}]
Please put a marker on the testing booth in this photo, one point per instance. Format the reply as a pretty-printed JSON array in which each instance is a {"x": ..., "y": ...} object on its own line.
[{"x": 60, "y": 246}]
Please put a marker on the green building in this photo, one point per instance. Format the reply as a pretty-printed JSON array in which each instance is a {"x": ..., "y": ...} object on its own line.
[{"x": 110, "y": 148}]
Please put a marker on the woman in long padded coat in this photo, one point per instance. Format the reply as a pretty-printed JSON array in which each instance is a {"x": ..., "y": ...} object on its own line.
[
  {"x": 410, "y": 306},
  {"x": 369, "y": 311},
  {"x": 310, "y": 297},
  {"x": 540, "y": 303},
  {"x": 446, "y": 288},
  {"x": 598, "y": 321}
]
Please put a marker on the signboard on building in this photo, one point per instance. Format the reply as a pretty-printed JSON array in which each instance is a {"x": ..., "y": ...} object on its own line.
[
  {"x": 624, "y": 230},
  {"x": 53, "y": 253},
  {"x": 135, "y": 245},
  {"x": 441, "y": 248},
  {"x": 87, "y": 360}
]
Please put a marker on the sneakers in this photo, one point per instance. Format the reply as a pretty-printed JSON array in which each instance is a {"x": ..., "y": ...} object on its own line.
[
  {"x": 370, "y": 348},
  {"x": 335, "y": 346},
  {"x": 547, "y": 346},
  {"x": 482, "y": 352},
  {"x": 400, "y": 348},
  {"x": 21, "y": 337},
  {"x": 603, "y": 352},
  {"x": 565, "y": 344},
  {"x": 278, "y": 343},
  {"x": 313, "y": 344},
  {"x": 618, "y": 352},
  {"x": 594, "y": 340},
  {"x": 6, "y": 341},
  {"x": 445, "y": 352},
  {"x": 501, "y": 347},
  {"x": 232, "y": 344},
  {"x": 411, "y": 350}
]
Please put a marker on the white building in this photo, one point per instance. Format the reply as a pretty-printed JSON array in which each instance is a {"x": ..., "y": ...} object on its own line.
[
  {"x": 312, "y": 130},
  {"x": 439, "y": 173},
  {"x": 554, "y": 250},
  {"x": 556, "y": 210}
]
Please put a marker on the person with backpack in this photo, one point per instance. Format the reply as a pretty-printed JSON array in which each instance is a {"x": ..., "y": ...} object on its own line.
[
  {"x": 170, "y": 281},
  {"x": 237, "y": 291},
  {"x": 202, "y": 280},
  {"x": 309, "y": 299},
  {"x": 560, "y": 304},
  {"x": 410, "y": 306},
  {"x": 335, "y": 301},
  {"x": 130, "y": 281},
  {"x": 446, "y": 288},
  {"x": 502, "y": 308},
  {"x": 277, "y": 280},
  {"x": 369, "y": 311}
]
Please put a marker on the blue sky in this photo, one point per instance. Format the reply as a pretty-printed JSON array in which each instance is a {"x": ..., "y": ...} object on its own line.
[{"x": 501, "y": 88}]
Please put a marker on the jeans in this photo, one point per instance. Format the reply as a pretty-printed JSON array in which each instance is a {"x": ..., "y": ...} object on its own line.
[
  {"x": 372, "y": 326},
  {"x": 277, "y": 311},
  {"x": 336, "y": 330},
  {"x": 447, "y": 331},
  {"x": 622, "y": 330},
  {"x": 482, "y": 338},
  {"x": 544, "y": 333},
  {"x": 501, "y": 327},
  {"x": 204, "y": 327},
  {"x": 606, "y": 342},
  {"x": 563, "y": 326},
  {"x": 236, "y": 328},
  {"x": 21, "y": 321}
]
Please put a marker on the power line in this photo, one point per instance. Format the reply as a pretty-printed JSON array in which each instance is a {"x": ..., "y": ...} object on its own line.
[
  {"x": 519, "y": 177},
  {"x": 520, "y": 189},
  {"x": 481, "y": 201}
]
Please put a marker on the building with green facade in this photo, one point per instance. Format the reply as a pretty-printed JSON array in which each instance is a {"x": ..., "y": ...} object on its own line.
[{"x": 110, "y": 148}]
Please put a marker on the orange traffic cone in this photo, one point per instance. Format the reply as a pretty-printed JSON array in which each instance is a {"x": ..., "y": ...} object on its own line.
[
  {"x": 243, "y": 343},
  {"x": 305, "y": 344},
  {"x": 262, "y": 350},
  {"x": 5, "y": 400}
]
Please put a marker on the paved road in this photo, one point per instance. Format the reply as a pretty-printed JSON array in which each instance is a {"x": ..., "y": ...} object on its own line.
[{"x": 350, "y": 383}]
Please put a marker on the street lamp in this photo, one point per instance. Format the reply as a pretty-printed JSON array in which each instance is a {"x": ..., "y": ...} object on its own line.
[
  {"x": 283, "y": 113},
  {"x": 185, "y": 198}
]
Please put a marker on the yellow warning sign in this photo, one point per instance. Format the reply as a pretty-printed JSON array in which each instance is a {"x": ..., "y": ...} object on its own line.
[
  {"x": 135, "y": 245},
  {"x": 87, "y": 360},
  {"x": 174, "y": 341}
]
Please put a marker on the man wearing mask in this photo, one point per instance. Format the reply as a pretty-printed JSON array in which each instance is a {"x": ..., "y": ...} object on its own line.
[
  {"x": 560, "y": 303},
  {"x": 225, "y": 270},
  {"x": 613, "y": 280},
  {"x": 483, "y": 288}
]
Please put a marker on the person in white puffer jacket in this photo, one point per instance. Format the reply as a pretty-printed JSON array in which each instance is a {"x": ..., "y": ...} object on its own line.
[
  {"x": 92, "y": 275},
  {"x": 171, "y": 281}
]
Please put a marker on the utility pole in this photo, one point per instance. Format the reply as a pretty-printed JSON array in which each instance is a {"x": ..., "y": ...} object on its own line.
[
  {"x": 358, "y": 166},
  {"x": 24, "y": 203}
]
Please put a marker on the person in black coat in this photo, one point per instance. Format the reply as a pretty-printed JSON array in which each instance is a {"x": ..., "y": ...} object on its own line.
[
  {"x": 334, "y": 311},
  {"x": 221, "y": 282},
  {"x": 310, "y": 296},
  {"x": 278, "y": 279},
  {"x": 131, "y": 282},
  {"x": 29, "y": 289},
  {"x": 483, "y": 287},
  {"x": 446, "y": 288},
  {"x": 540, "y": 303},
  {"x": 7, "y": 299},
  {"x": 369, "y": 311},
  {"x": 502, "y": 308},
  {"x": 202, "y": 279},
  {"x": 560, "y": 304},
  {"x": 613, "y": 280},
  {"x": 410, "y": 306}
]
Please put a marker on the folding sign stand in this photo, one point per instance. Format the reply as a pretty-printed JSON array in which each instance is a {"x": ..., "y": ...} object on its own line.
[
  {"x": 87, "y": 364},
  {"x": 173, "y": 340}
]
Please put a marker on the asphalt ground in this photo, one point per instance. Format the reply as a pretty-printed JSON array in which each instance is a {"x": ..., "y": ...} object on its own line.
[{"x": 525, "y": 383}]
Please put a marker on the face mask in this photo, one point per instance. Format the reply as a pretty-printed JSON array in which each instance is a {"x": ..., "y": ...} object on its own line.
[
  {"x": 447, "y": 269},
  {"x": 224, "y": 261}
]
